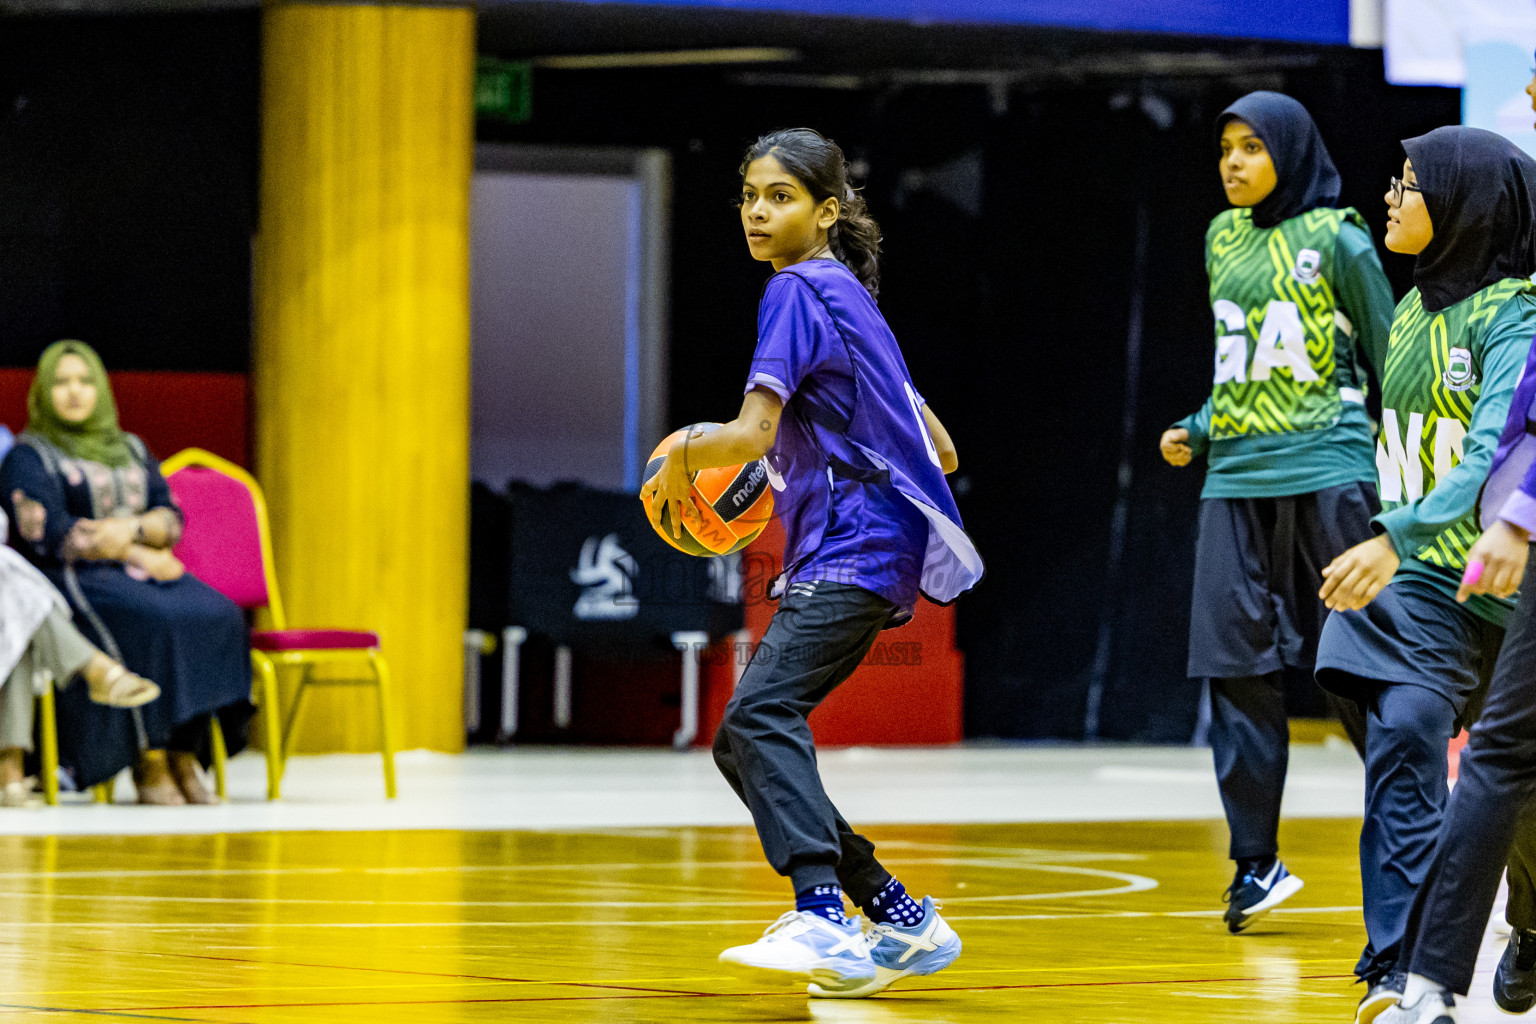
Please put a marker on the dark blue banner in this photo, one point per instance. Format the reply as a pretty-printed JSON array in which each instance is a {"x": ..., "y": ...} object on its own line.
[{"x": 1311, "y": 21}]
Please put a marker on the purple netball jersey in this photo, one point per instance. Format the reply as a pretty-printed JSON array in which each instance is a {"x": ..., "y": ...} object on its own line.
[
  {"x": 1510, "y": 491},
  {"x": 859, "y": 488}
]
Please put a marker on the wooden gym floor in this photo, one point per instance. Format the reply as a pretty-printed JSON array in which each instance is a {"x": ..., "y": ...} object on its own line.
[
  {"x": 1110, "y": 922},
  {"x": 498, "y": 888}
]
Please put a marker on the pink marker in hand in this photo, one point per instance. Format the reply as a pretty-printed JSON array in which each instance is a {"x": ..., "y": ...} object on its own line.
[{"x": 1473, "y": 574}]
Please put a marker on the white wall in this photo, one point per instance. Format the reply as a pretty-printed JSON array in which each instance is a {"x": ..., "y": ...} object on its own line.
[{"x": 565, "y": 344}]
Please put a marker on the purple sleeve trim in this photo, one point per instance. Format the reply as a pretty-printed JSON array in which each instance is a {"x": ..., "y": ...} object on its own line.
[
  {"x": 1520, "y": 510},
  {"x": 772, "y": 383}
]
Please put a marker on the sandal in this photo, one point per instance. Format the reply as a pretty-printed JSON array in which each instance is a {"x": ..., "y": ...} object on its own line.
[
  {"x": 19, "y": 794},
  {"x": 153, "y": 780},
  {"x": 161, "y": 793},
  {"x": 190, "y": 781},
  {"x": 122, "y": 689}
]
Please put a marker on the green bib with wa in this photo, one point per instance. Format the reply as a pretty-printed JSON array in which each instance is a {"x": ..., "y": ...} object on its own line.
[
  {"x": 1272, "y": 292},
  {"x": 1429, "y": 386}
]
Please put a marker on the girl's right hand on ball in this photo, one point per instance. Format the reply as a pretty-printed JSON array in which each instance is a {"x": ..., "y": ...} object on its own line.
[
  {"x": 1175, "y": 447},
  {"x": 670, "y": 487}
]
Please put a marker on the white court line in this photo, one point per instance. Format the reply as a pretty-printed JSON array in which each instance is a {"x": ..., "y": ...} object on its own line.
[
  {"x": 1132, "y": 883},
  {"x": 228, "y": 925},
  {"x": 278, "y": 900},
  {"x": 1008, "y": 851},
  {"x": 174, "y": 873},
  {"x": 1139, "y": 913},
  {"x": 1005, "y": 862}
]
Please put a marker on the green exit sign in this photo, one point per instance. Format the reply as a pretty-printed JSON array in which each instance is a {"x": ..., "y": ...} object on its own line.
[{"x": 504, "y": 90}]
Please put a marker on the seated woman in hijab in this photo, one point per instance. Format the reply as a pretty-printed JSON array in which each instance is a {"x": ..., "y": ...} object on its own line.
[
  {"x": 89, "y": 507},
  {"x": 40, "y": 646}
]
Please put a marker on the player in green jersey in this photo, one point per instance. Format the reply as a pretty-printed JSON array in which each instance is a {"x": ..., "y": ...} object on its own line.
[
  {"x": 1489, "y": 820},
  {"x": 1397, "y": 641},
  {"x": 1297, "y": 292}
]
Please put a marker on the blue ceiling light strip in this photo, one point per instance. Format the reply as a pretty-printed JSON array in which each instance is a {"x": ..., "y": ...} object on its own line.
[{"x": 1307, "y": 21}]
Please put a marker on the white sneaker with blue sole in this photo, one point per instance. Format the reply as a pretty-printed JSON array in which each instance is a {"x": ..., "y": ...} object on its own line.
[
  {"x": 899, "y": 952},
  {"x": 799, "y": 944}
]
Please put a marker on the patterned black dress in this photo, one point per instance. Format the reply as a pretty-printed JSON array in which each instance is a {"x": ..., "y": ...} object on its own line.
[{"x": 185, "y": 636}]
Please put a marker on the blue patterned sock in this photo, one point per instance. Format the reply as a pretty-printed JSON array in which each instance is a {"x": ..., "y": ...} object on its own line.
[
  {"x": 892, "y": 905},
  {"x": 826, "y": 900}
]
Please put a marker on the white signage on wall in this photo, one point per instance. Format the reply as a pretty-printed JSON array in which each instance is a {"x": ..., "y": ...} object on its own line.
[
  {"x": 1483, "y": 47},
  {"x": 1499, "y": 60}
]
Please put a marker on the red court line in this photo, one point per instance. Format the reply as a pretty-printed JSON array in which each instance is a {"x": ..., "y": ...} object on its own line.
[
  {"x": 386, "y": 970},
  {"x": 719, "y": 995}
]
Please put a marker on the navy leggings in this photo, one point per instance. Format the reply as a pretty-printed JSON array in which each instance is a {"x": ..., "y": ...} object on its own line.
[{"x": 1490, "y": 821}]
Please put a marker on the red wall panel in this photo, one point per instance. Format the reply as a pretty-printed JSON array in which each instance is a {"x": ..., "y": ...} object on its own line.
[
  {"x": 169, "y": 410},
  {"x": 910, "y": 690}
]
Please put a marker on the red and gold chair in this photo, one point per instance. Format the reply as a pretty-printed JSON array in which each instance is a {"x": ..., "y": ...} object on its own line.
[{"x": 227, "y": 544}]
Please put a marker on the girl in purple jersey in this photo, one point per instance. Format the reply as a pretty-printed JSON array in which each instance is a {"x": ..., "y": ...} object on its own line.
[{"x": 858, "y": 462}]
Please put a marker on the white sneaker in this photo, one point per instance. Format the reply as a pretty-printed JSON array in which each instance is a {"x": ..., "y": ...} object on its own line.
[
  {"x": 1383, "y": 994},
  {"x": 1432, "y": 1008},
  {"x": 834, "y": 957},
  {"x": 899, "y": 952}
]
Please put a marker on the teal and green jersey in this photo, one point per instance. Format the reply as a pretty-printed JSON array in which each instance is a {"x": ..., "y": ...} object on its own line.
[
  {"x": 1447, "y": 381},
  {"x": 1295, "y": 306}
]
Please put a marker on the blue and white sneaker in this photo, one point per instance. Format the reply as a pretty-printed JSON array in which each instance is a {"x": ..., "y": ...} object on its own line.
[
  {"x": 1251, "y": 896},
  {"x": 898, "y": 952},
  {"x": 834, "y": 957}
]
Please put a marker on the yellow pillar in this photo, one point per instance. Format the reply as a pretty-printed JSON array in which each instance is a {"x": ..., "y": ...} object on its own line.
[{"x": 362, "y": 345}]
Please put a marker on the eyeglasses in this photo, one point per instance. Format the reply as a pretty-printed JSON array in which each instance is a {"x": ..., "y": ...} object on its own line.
[{"x": 1399, "y": 186}]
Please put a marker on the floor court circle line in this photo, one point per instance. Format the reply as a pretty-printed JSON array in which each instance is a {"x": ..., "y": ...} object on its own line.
[
  {"x": 185, "y": 926},
  {"x": 996, "y": 857},
  {"x": 1131, "y": 883}
]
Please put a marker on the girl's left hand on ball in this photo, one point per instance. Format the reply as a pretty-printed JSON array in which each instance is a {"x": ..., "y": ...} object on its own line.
[
  {"x": 670, "y": 487},
  {"x": 1502, "y": 551},
  {"x": 1353, "y": 580}
]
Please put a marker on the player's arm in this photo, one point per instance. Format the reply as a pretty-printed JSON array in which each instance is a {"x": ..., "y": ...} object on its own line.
[
  {"x": 949, "y": 459},
  {"x": 1496, "y": 563},
  {"x": 749, "y": 436},
  {"x": 1354, "y": 578},
  {"x": 1412, "y": 525}
]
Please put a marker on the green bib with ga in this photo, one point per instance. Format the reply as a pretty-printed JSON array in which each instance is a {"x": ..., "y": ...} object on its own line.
[
  {"x": 1432, "y": 379},
  {"x": 1277, "y": 370}
]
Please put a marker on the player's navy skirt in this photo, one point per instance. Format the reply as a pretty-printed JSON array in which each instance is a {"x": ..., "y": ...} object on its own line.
[
  {"x": 1415, "y": 633},
  {"x": 1258, "y": 567}
]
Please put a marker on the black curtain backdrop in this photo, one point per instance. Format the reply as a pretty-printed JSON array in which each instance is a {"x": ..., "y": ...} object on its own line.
[
  {"x": 128, "y": 168},
  {"x": 1008, "y": 253}
]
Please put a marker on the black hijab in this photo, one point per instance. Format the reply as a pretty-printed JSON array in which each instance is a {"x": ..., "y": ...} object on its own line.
[
  {"x": 1478, "y": 187},
  {"x": 1305, "y": 177}
]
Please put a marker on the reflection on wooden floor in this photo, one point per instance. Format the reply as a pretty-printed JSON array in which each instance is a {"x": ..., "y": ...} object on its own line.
[{"x": 1071, "y": 923}]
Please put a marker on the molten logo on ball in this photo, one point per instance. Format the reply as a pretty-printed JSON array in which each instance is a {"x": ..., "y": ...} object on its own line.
[{"x": 734, "y": 502}]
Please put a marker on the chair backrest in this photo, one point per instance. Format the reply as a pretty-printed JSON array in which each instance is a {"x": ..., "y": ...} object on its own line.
[{"x": 225, "y": 543}]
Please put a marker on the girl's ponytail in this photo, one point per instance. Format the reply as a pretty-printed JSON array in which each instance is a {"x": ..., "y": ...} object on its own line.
[{"x": 855, "y": 239}]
